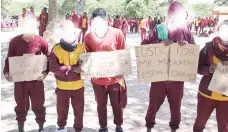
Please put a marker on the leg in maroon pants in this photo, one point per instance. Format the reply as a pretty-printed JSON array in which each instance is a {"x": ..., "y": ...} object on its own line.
[
  {"x": 77, "y": 101},
  {"x": 222, "y": 115},
  {"x": 21, "y": 95},
  {"x": 157, "y": 97},
  {"x": 63, "y": 97},
  {"x": 37, "y": 101},
  {"x": 114, "y": 95},
  {"x": 174, "y": 96},
  {"x": 101, "y": 95},
  {"x": 205, "y": 107}
]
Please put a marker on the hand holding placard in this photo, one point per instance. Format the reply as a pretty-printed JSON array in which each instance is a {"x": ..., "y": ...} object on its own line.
[{"x": 219, "y": 81}]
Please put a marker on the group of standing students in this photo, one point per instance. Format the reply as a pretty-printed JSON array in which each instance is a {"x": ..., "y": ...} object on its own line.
[{"x": 63, "y": 61}]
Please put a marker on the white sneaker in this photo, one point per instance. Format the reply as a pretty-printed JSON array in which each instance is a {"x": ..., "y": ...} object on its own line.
[{"x": 62, "y": 130}]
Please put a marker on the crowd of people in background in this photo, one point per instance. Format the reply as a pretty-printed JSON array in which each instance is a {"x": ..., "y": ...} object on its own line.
[{"x": 202, "y": 26}]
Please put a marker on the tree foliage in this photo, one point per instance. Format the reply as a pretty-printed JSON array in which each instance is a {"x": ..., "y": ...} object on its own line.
[
  {"x": 221, "y": 2},
  {"x": 127, "y": 8},
  {"x": 4, "y": 5},
  {"x": 203, "y": 10}
]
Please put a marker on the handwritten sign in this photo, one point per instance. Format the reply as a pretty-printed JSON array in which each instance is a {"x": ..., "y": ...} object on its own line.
[
  {"x": 219, "y": 81},
  {"x": 152, "y": 62},
  {"x": 124, "y": 62},
  {"x": 106, "y": 64},
  {"x": 27, "y": 67},
  {"x": 183, "y": 62}
]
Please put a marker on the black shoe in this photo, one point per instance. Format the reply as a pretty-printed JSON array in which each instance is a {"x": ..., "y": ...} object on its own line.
[
  {"x": 41, "y": 127},
  {"x": 149, "y": 129},
  {"x": 103, "y": 129},
  {"x": 20, "y": 126},
  {"x": 119, "y": 130}
]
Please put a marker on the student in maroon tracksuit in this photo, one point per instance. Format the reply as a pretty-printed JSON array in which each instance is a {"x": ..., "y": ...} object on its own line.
[
  {"x": 173, "y": 90},
  {"x": 107, "y": 38},
  {"x": 213, "y": 53},
  {"x": 24, "y": 92},
  {"x": 117, "y": 22},
  {"x": 64, "y": 63}
]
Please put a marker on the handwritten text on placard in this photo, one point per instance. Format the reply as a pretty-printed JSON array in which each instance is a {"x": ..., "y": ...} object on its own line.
[
  {"x": 219, "y": 81},
  {"x": 27, "y": 68},
  {"x": 152, "y": 62}
]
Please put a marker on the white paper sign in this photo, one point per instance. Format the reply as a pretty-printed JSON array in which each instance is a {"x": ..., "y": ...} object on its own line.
[
  {"x": 219, "y": 81},
  {"x": 106, "y": 64},
  {"x": 124, "y": 62},
  {"x": 27, "y": 67}
]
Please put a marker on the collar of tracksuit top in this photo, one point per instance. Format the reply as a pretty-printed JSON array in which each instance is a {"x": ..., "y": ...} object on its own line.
[
  {"x": 68, "y": 47},
  {"x": 216, "y": 53},
  {"x": 68, "y": 55}
]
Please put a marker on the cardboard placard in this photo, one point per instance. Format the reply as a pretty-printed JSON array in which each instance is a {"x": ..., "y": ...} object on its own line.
[
  {"x": 219, "y": 81},
  {"x": 106, "y": 64},
  {"x": 157, "y": 62},
  {"x": 124, "y": 62},
  {"x": 27, "y": 67},
  {"x": 152, "y": 62},
  {"x": 184, "y": 62}
]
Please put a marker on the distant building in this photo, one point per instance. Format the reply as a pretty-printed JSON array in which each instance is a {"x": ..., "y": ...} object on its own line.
[{"x": 221, "y": 13}]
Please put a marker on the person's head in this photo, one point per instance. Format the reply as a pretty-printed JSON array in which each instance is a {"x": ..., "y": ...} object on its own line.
[
  {"x": 117, "y": 17},
  {"x": 177, "y": 15},
  {"x": 31, "y": 8},
  {"x": 24, "y": 10},
  {"x": 69, "y": 33},
  {"x": 44, "y": 10},
  {"x": 74, "y": 12},
  {"x": 85, "y": 14},
  {"x": 223, "y": 31},
  {"x": 99, "y": 22},
  {"x": 29, "y": 27}
]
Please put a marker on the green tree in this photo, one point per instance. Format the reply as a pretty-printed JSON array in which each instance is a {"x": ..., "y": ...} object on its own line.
[
  {"x": 203, "y": 10},
  {"x": 221, "y": 2},
  {"x": 4, "y": 5}
]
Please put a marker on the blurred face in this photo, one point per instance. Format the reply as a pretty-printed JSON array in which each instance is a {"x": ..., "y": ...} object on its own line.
[
  {"x": 223, "y": 32},
  {"x": 178, "y": 20},
  {"x": 99, "y": 26},
  {"x": 30, "y": 27},
  {"x": 69, "y": 33}
]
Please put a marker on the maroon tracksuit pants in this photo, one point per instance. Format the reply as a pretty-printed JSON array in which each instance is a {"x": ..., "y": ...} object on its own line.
[
  {"x": 158, "y": 93},
  {"x": 101, "y": 94},
  {"x": 35, "y": 91},
  {"x": 204, "y": 109},
  {"x": 77, "y": 101}
]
